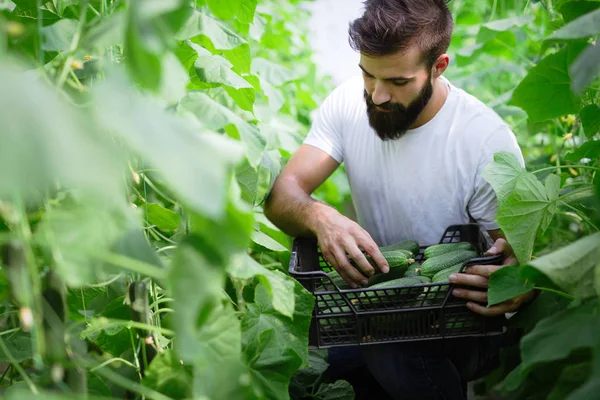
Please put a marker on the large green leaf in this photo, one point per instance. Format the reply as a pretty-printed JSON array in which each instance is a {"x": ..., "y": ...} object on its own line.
[
  {"x": 339, "y": 390},
  {"x": 590, "y": 149},
  {"x": 216, "y": 116},
  {"x": 266, "y": 241},
  {"x": 196, "y": 164},
  {"x": 546, "y": 90},
  {"x": 585, "y": 68},
  {"x": 582, "y": 27},
  {"x": 20, "y": 347},
  {"x": 590, "y": 119},
  {"x": 507, "y": 283},
  {"x": 557, "y": 336},
  {"x": 274, "y": 73},
  {"x": 490, "y": 30},
  {"x": 570, "y": 379},
  {"x": 53, "y": 145},
  {"x": 196, "y": 280},
  {"x": 525, "y": 206},
  {"x": 242, "y": 9},
  {"x": 58, "y": 36},
  {"x": 200, "y": 23},
  {"x": 575, "y": 9},
  {"x": 163, "y": 218},
  {"x": 274, "y": 346},
  {"x": 592, "y": 387},
  {"x": 143, "y": 56},
  {"x": 76, "y": 235},
  {"x": 167, "y": 375},
  {"x": 573, "y": 267},
  {"x": 279, "y": 286}
]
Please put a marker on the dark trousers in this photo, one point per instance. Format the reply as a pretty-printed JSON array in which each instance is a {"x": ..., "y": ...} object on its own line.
[{"x": 427, "y": 370}]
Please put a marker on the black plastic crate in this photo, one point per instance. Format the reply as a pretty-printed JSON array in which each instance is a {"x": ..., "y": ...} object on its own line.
[{"x": 395, "y": 314}]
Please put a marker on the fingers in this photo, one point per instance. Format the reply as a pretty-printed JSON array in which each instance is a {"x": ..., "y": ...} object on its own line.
[
  {"x": 359, "y": 259},
  {"x": 350, "y": 274},
  {"x": 475, "y": 295},
  {"x": 372, "y": 249},
  {"x": 500, "y": 309},
  {"x": 499, "y": 247},
  {"x": 469, "y": 280},
  {"x": 482, "y": 270}
]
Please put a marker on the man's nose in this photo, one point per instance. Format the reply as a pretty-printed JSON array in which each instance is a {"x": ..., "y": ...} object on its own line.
[{"x": 380, "y": 94}]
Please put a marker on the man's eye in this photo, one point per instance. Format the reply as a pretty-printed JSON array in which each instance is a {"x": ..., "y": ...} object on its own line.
[{"x": 400, "y": 83}]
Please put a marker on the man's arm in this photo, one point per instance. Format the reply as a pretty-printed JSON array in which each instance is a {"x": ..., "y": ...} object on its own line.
[
  {"x": 289, "y": 205},
  {"x": 291, "y": 208}
]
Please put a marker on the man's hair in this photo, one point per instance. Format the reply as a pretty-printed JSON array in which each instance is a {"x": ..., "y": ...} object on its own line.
[{"x": 389, "y": 26}]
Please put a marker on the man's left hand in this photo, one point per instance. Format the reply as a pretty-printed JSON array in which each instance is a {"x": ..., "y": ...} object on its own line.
[{"x": 478, "y": 276}]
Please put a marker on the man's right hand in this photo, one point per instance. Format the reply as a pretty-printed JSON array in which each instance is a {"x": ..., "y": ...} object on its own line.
[{"x": 340, "y": 237}]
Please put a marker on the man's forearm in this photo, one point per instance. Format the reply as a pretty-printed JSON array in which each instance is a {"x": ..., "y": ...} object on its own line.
[{"x": 293, "y": 211}]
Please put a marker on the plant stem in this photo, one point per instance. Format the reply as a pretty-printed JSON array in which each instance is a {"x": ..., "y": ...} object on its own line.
[
  {"x": 74, "y": 43},
  {"x": 572, "y": 166},
  {"x": 567, "y": 295},
  {"x": 116, "y": 359}
]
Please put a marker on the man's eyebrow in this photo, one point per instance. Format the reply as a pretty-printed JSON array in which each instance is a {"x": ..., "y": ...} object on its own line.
[{"x": 397, "y": 78}]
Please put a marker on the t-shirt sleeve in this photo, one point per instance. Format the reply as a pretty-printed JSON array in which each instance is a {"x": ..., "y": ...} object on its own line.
[
  {"x": 483, "y": 205},
  {"x": 326, "y": 129}
]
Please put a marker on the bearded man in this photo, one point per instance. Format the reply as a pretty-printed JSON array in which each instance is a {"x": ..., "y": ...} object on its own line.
[{"x": 414, "y": 147}]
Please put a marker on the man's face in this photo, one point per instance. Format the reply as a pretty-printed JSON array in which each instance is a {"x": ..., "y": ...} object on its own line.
[{"x": 397, "y": 89}]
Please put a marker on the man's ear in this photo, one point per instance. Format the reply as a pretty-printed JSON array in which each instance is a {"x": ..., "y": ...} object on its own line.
[{"x": 440, "y": 65}]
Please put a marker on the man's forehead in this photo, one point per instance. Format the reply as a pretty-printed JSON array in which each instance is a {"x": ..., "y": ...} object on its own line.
[{"x": 406, "y": 61}]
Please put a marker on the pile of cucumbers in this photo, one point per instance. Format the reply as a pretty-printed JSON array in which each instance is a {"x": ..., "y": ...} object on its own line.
[{"x": 441, "y": 260}]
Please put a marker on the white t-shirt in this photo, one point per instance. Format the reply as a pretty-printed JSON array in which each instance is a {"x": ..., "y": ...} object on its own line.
[{"x": 418, "y": 185}]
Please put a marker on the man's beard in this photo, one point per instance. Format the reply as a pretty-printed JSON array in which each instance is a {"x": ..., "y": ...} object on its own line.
[{"x": 393, "y": 123}]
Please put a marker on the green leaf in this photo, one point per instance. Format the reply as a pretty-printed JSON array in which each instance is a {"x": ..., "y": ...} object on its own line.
[
  {"x": 590, "y": 119},
  {"x": 74, "y": 235},
  {"x": 289, "y": 336},
  {"x": 576, "y": 9},
  {"x": 112, "y": 337},
  {"x": 558, "y": 336},
  {"x": 590, "y": 149},
  {"x": 164, "y": 140},
  {"x": 572, "y": 267},
  {"x": 571, "y": 378},
  {"x": 164, "y": 219},
  {"x": 585, "y": 68},
  {"x": 339, "y": 390},
  {"x": 20, "y": 347},
  {"x": 53, "y": 146},
  {"x": 592, "y": 386},
  {"x": 167, "y": 375},
  {"x": 525, "y": 205},
  {"x": 196, "y": 281},
  {"x": 247, "y": 178},
  {"x": 582, "y": 27},
  {"x": 507, "y": 283},
  {"x": 279, "y": 286},
  {"x": 266, "y": 241},
  {"x": 273, "y": 347},
  {"x": 545, "y": 92},
  {"x": 231, "y": 235},
  {"x": 58, "y": 36},
  {"x": 142, "y": 57},
  {"x": 221, "y": 36},
  {"x": 490, "y": 30},
  {"x": 272, "y": 72},
  {"x": 242, "y": 9},
  {"x": 215, "y": 116}
]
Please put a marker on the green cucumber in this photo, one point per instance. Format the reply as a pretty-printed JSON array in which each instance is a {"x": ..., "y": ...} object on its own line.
[
  {"x": 443, "y": 275},
  {"x": 439, "y": 263},
  {"x": 410, "y": 245},
  {"x": 444, "y": 248},
  {"x": 394, "y": 273},
  {"x": 414, "y": 270}
]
